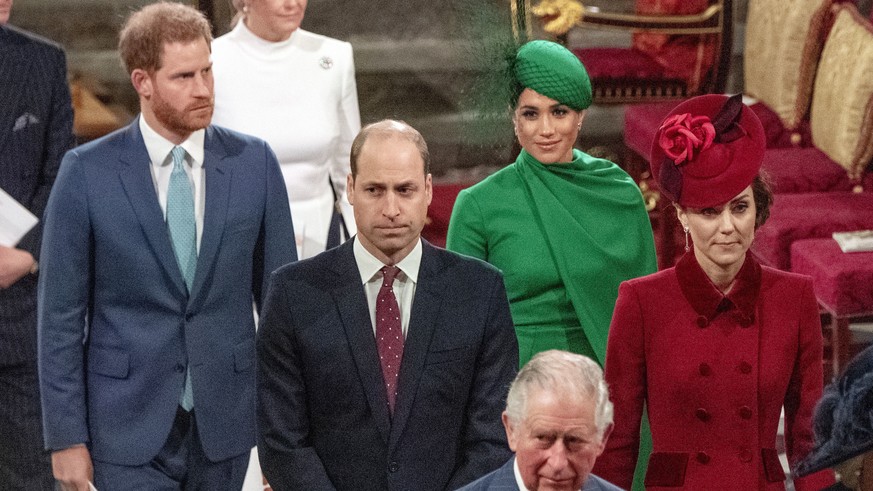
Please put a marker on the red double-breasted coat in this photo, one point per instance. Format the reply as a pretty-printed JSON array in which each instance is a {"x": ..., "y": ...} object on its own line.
[{"x": 714, "y": 372}]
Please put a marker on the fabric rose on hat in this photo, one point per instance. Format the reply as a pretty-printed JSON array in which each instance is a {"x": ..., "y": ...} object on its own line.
[{"x": 683, "y": 137}]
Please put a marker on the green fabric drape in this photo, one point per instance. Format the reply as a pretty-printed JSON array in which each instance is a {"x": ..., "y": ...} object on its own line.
[
  {"x": 576, "y": 206},
  {"x": 572, "y": 225},
  {"x": 565, "y": 236}
]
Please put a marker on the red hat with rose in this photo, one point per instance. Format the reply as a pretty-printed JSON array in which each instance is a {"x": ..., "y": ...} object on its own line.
[{"x": 707, "y": 150}]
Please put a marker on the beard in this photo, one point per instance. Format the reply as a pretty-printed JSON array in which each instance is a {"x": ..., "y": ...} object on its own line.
[{"x": 195, "y": 116}]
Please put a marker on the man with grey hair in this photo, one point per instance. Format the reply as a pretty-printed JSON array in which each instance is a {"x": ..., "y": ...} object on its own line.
[{"x": 557, "y": 420}]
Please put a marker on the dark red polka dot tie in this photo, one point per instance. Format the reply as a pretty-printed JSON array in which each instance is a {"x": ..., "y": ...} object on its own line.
[{"x": 389, "y": 333}]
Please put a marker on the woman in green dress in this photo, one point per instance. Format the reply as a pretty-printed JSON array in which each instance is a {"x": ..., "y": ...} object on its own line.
[{"x": 564, "y": 227}]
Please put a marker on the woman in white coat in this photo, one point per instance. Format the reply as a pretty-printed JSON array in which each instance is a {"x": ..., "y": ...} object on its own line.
[{"x": 297, "y": 91}]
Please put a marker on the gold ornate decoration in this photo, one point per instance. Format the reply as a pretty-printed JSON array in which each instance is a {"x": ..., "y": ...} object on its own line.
[
  {"x": 651, "y": 197},
  {"x": 559, "y": 16}
]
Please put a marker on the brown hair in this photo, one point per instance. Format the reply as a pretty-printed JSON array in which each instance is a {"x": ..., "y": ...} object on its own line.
[
  {"x": 384, "y": 129},
  {"x": 142, "y": 39},
  {"x": 763, "y": 195}
]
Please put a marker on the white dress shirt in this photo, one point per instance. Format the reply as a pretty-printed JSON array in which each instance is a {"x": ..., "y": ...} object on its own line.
[
  {"x": 161, "y": 167},
  {"x": 404, "y": 284}
]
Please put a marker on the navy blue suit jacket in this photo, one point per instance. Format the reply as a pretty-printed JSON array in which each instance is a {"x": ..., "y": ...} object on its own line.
[
  {"x": 110, "y": 279},
  {"x": 503, "y": 479},
  {"x": 36, "y": 128},
  {"x": 323, "y": 416}
]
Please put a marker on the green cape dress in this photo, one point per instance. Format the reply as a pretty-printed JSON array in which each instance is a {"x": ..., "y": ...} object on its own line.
[{"x": 565, "y": 236}]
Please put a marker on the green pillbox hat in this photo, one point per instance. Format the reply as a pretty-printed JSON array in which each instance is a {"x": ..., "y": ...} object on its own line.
[{"x": 553, "y": 71}]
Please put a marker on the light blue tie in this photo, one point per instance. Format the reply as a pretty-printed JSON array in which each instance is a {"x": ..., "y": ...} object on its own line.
[{"x": 183, "y": 233}]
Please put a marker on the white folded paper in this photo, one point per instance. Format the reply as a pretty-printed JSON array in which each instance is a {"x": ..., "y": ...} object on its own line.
[
  {"x": 857, "y": 241},
  {"x": 15, "y": 220}
]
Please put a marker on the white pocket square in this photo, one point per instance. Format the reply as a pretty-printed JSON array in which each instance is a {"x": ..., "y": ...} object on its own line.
[{"x": 24, "y": 121}]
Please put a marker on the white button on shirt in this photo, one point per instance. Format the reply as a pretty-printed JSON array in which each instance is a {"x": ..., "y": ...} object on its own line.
[
  {"x": 161, "y": 167},
  {"x": 404, "y": 283}
]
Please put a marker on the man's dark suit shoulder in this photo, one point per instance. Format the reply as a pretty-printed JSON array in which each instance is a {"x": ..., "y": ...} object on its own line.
[
  {"x": 501, "y": 479},
  {"x": 447, "y": 259},
  {"x": 456, "y": 260},
  {"x": 29, "y": 40},
  {"x": 311, "y": 270},
  {"x": 232, "y": 141}
]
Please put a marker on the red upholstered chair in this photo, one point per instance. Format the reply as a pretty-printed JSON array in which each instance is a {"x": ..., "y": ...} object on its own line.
[
  {"x": 803, "y": 170},
  {"x": 801, "y": 216},
  {"x": 439, "y": 212},
  {"x": 679, "y": 48},
  {"x": 834, "y": 177},
  {"x": 840, "y": 120},
  {"x": 782, "y": 49},
  {"x": 842, "y": 283},
  {"x": 797, "y": 236},
  {"x": 780, "y": 60}
]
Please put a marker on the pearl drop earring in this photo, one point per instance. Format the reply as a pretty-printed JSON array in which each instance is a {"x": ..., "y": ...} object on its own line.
[{"x": 687, "y": 247}]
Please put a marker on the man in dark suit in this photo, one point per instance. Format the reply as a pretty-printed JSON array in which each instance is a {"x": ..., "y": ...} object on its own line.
[
  {"x": 157, "y": 237},
  {"x": 36, "y": 128},
  {"x": 557, "y": 419},
  {"x": 382, "y": 363}
]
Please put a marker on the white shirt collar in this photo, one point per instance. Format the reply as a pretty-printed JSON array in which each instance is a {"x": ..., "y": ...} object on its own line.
[
  {"x": 159, "y": 147},
  {"x": 518, "y": 479},
  {"x": 369, "y": 266},
  {"x": 246, "y": 34}
]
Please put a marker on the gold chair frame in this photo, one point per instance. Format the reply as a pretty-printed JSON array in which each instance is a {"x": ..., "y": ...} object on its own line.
[{"x": 715, "y": 19}]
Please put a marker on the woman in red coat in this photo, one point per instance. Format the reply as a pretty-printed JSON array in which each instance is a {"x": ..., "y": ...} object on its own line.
[{"x": 716, "y": 346}]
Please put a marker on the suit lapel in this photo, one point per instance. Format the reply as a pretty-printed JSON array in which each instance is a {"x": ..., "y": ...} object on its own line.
[
  {"x": 14, "y": 74},
  {"x": 425, "y": 311},
  {"x": 218, "y": 174},
  {"x": 351, "y": 303},
  {"x": 136, "y": 178}
]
